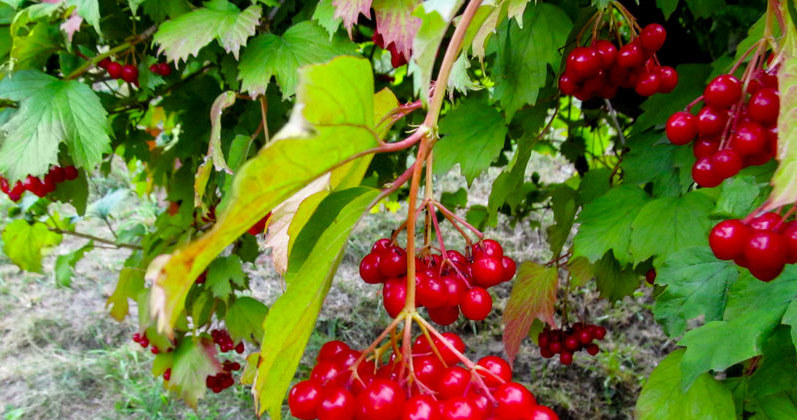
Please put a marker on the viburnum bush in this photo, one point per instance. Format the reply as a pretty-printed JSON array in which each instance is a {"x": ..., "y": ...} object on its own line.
[{"x": 279, "y": 125}]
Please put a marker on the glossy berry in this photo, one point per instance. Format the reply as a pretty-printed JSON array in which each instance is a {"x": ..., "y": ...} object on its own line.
[
  {"x": 455, "y": 341},
  {"x": 383, "y": 399},
  {"x": 336, "y": 404},
  {"x": 103, "y": 64},
  {"x": 459, "y": 408},
  {"x": 488, "y": 248},
  {"x": 428, "y": 370},
  {"x": 509, "y": 268},
  {"x": 668, "y": 79},
  {"x": 652, "y": 37},
  {"x": 332, "y": 351},
  {"x": 304, "y": 399},
  {"x": 130, "y": 73},
  {"x": 647, "y": 85},
  {"x": 726, "y": 163},
  {"x": 749, "y": 139},
  {"x": 541, "y": 412},
  {"x": 488, "y": 271},
  {"x": 704, "y": 174},
  {"x": 497, "y": 372},
  {"x": 114, "y": 70},
  {"x": 568, "y": 84},
  {"x": 764, "y": 106},
  {"x": 583, "y": 62},
  {"x": 476, "y": 304},
  {"x": 514, "y": 401},
  {"x": 607, "y": 53},
  {"x": 681, "y": 128},
  {"x": 421, "y": 407},
  {"x": 711, "y": 121},
  {"x": 393, "y": 262},
  {"x": 650, "y": 277},
  {"x": 704, "y": 148},
  {"x": 394, "y": 295},
  {"x": 790, "y": 237},
  {"x": 369, "y": 269},
  {"x": 445, "y": 315},
  {"x": 630, "y": 55},
  {"x": 722, "y": 92},
  {"x": 164, "y": 69},
  {"x": 70, "y": 172},
  {"x": 765, "y": 251},
  {"x": 566, "y": 358},
  {"x": 454, "y": 382},
  {"x": 767, "y": 221}
]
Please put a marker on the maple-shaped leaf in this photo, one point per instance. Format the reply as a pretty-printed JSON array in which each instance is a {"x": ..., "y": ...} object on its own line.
[
  {"x": 349, "y": 11},
  {"x": 281, "y": 56},
  {"x": 533, "y": 297},
  {"x": 219, "y": 19},
  {"x": 244, "y": 319},
  {"x": 131, "y": 282},
  {"x": 24, "y": 243},
  {"x": 324, "y": 15},
  {"x": 51, "y": 112},
  {"x": 222, "y": 272},
  {"x": 396, "y": 24},
  {"x": 193, "y": 360}
]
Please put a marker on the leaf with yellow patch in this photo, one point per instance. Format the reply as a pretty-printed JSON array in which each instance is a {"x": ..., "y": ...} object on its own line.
[
  {"x": 192, "y": 361},
  {"x": 533, "y": 297}
]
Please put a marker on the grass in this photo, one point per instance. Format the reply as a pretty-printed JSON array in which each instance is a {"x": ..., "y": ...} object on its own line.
[{"x": 62, "y": 357}]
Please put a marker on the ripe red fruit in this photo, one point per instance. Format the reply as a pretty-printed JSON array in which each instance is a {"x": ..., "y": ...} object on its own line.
[
  {"x": 650, "y": 277},
  {"x": 727, "y": 163},
  {"x": 487, "y": 271},
  {"x": 167, "y": 375},
  {"x": 607, "y": 53},
  {"x": 583, "y": 62},
  {"x": 704, "y": 174},
  {"x": 541, "y": 412},
  {"x": 711, "y": 121},
  {"x": 428, "y": 370},
  {"x": 454, "y": 382},
  {"x": 790, "y": 236},
  {"x": 383, "y": 399},
  {"x": 70, "y": 172},
  {"x": 652, "y": 37},
  {"x": 381, "y": 245},
  {"x": 764, "y": 106},
  {"x": 476, "y": 304},
  {"x": 303, "y": 399},
  {"x": 668, "y": 79},
  {"x": 482, "y": 404},
  {"x": 765, "y": 275},
  {"x": 765, "y": 251},
  {"x": 681, "y": 128},
  {"x": 598, "y": 331},
  {"x": 34, "y": 185},
  {"x": 421, "y": 407},
  {"x": 130, "y": 73},
  {"x": 749, "y": 139},
  {"x": 114, "y": 70},
  {"x": 164, "y": 69},
  {"x": 508, "y": 264},
  {"x": 332, "y": 351},
  {"x": 394, "y": 295},
  {"x": 767, "y": 221},
  {"x": 514, "y": 401},
  {"x": 567, "y": 84},
  {"x": 445, "y": 315},
  {"x": 705, "y": 147},
  {"x": 722, "y": 92},
  {"x": 154, "y": 68},
  {"x": 327, "y": 373},
  {"x": 497, "y": 372},
  {"x": 393, "y": 262},
  {"x": 336, "y": 404},
  {"x": 57, "y": 174},
  {"x": 431, "y": 291},
  {"x": 630, "y": 55},
  {"x": 647, "y": 85},
  {"x": 369, "y": 269},
  {"x": 592, "y": 349},
  {"x": 572, "y": 343},
  {"x": 459, "y": 408},
  {"x": 455, "y": 288},
  {"x": 555, "y": 346},
  {"x": 488, "y": 248},
  {"x": 566, "y": 358},
  {"x": 585, "y": 337},
  {"x": 103, "y": 64},
  {"x": 448, "y": 355}
]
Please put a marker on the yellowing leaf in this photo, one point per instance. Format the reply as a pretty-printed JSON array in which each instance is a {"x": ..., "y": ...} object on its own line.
[
  {"x": 533, "y": 297},
  {"x": 24, "y": 243},
  {"x": 332, "y": 121}
]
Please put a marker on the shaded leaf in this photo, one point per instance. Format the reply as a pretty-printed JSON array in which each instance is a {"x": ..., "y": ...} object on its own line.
[
  {"x": 244, "y": 319},
  {"x": 614, "y": 282},
  {"x": 349, "y": 11},
  {"x": 65, "y": 264},
  {"x": 222, "y": 272},
  {"x": 739, "y": 196},
  {"x": 533, "y": 297},
  {"x": 192, "y": 361}
]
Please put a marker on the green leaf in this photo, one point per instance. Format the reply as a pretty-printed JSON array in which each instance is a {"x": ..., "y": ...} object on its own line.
[
  {"x": 281, "y": 56},
  {"x": 521, "y": 65},
  {"x": 29, "y": 50},
  {"x": 753, "y": 311},
  {"x": 563, "y": 204},
  {"x": 291, "y": 319},
  {"x": 221, "y": 272},
  {"x": 668, "y": 224},
  {"x": 784, "y": 182},
  {"x": 435, "y": 17},
  {"x": 667, "y": 7},
  {"x": 777, "y": 370},
  {"x": 349, "y": 11},
  {"x": 65, "y": 264},
  {"x": 185, "y": 35},
  {"x": 472, "y": 135},
  {"x": 51, "y": 112},
  {"x": 75, "y": 192},
  {"x": 790, "y": 319},
  {"x": 606, "y": 224},
  {"x": 130, "y": 284},
  {"x": 614, "y": 282},
  {"x": 88, "y": 10},
  {"x": 332, "y": 121},
  {"x": 705, "y": 8},
  {"x": 662, "y": 397},
  {"x": 653, "y": 159},
  {"x": 193, "y": 361},
  {"x": 697, "y": 284},
  {"x": 594, "y": 184},
  {"x": 244, "y": 319},
  {"x": 533, "y": 297},
  {"x": 739, "y": 196},
  {"x": 658, "y": 108},
  {"x": 324, "y": 15},
  {"x": 25, "y": 243},
  {"x": 104, "y": 207}
]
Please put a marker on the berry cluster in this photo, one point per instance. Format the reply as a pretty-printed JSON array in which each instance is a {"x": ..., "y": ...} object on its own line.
[
  {"x": 143, "y": 341},
  {"x": 396, "y": 59},
  {"x": 600, "y": 69},
  {"x": 445, "y": 286},
  {"x": 762, "y": 245},
  {"x": 225, "y": 343},
  {"x": 127, "y": 72},
  {"x": 222, "y": 380},
  {"x": 341, "y": 388},
  {"x": 734, "y": 129},
  {"x": 39, "y": 186},
  {"x": 162, "y": 69},
  {"x": 565, "y": 342}
]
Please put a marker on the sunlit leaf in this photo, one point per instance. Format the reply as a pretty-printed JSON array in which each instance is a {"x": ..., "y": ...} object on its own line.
[
  {"x": 24, "y": 243},
  {"x": 533, "y": 297}
]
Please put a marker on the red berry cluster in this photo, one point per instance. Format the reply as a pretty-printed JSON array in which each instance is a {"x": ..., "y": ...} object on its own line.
[
  {"x": 340, "y": 390},
  {"x": 224, "y": 341},
  {"x": 143, "y": 341},
  {"x": 396, "y": 59},
  {"x": 733, "y": 129},
  {"x": 565, "y": 342},
  {"x": 600, "y": 69},
  {"x": 222, "y": 380},
  {"x": 38, "y": 186},
  {"x": 762, "y": 245},
  {"x": 162, "y": 69},
  {"x": 445, "y": 286},
  {"x": 127, "y": 72},
  {"x": 260, "y": 226}
]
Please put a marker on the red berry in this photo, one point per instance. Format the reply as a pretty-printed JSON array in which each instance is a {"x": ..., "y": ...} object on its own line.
[
  {"x": 381, "y": 245},
  {"x": 455, "y": 341},
  {"x": 711, "y": 121},
  {"x": 705, "y": 147},
  {"x": 514, "y": 401},
  {"x": 58, "y": 174},
  {"x": 432, "y": 292},
  {"x": 650, "y": 277},
  {"x": 336, "y": 404},
  {"x": 421, "y": 407},
  {"x": 164, "y": 69},
  {"x": 476, "y": 304},
  {"x": 765, "y": 251},
  {"x": 383, "y": 399},
  {"x": 722, "y": 92},
  {"x": 749, "y": 139},
  {"x": 727, "y": 163},
  {"x": 583, "y": 62},
  {"x": 598, "y": 332},
  {"x": 571, "y": 343},
  {"x": 154, "y": 68},
  {"x": 332, "y": 351},
  {"x": 668, "y": 79},
  {"x": 487, "y": 271},
  {"x": 766, "y": 221},
  {"x": 566, "y": 358},
  {"x": 704, "y": 174},
  {"x": 393, "y": 262},
  {"x": 454, "y": 382},
  {"x": 607, "y": 53},
  {"x": 483, "y": 405},
  {"x": 585, "y": 337},
  {"x": 652, "y": 37},
  {"x": 488, "y": 248},
  {"x": 428, "y": 370},
  {"x": 103, "y": 64},
  {"x": 681, "y": 128},
  {"x": 764, "y": 106},
  {"x": 445, "y": 315},
  {"x": 130, "y": 73},
  {"x": 541, "y": 412},
  {"x": 508, "y": 264},
  {"x": 592, "y": 349},
  {"x": 327, "y": 373},
  {"x": 630, "y": 56},
  {"x": 497, "y": 372},
  {"x": 167, "y": 375},
  {"x": 459, "y": 408},
  {"x": 567, "y": 84},
  {"x": 790, "y": 236},
  {"x": 369, "y": 269},
  {"x": 455, "y": 288},
  {"x": 70, "y": 172},
  {"x": 647, "y": 85},
  {"x": 394, "y": 295},
  {"x": 114, "y": 70},
  {"x": 303, "y": 399}
]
